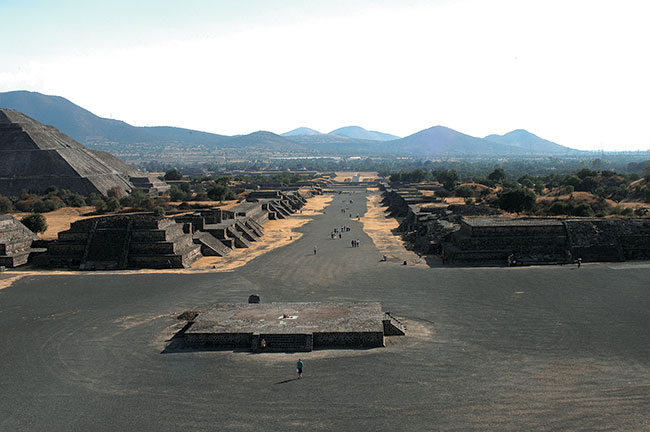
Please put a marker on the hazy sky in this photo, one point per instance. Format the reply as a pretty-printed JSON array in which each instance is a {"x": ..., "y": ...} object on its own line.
[{"x": 574, "y": 72}]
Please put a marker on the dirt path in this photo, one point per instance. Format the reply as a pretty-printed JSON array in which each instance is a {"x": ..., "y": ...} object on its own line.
[{"x": 379, "y": 227}]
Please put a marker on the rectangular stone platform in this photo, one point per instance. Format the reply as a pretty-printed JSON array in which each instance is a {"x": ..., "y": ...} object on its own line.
[{"x": 288, "y": 327}]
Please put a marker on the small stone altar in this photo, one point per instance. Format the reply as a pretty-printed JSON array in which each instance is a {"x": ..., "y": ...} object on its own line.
[{"x": 291, "y": 327}]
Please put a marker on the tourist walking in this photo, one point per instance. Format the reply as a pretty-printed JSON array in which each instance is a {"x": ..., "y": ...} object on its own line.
[
  {"x": 579, "y": 262},
  {"x": 315, "y": 249},
  {"x": 299, "y": 368}
]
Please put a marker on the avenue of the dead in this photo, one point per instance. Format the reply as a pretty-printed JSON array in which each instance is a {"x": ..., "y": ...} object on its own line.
[{"x": 488, "y": 348}]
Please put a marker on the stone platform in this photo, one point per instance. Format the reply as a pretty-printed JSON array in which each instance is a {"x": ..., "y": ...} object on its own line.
[{"x": 290, "y": 327}]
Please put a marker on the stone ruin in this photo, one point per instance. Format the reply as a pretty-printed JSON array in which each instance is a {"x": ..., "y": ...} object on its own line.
[
  {"x": 219, "y": 231},
  {"x": 141, "y": 241},
  {"x": 473, "y": 235},
  {"x": 15, "y": 242},
  {"x": 121, "y": 242},
  {"x": 34, "y": 156},
  {"x": 290, "y": 327}
]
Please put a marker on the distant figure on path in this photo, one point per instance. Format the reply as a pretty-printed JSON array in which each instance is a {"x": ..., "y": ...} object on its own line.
[
  {"x": 315, "y": 249},
  {"x": 299, "y": 368},
  {"x": 579, "y": 262}
]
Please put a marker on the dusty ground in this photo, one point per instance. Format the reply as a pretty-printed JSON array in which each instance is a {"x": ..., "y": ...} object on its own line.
[
  {"x": 379, "y": 226},
  {"x": 60, "y": 219},
  {"x": 489, "y": 349}
]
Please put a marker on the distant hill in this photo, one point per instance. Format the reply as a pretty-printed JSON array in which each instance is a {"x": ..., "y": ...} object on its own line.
[
  {"x": 91, "y": 130},
  {"x": 165, "y": 143},
  {"x": 262, "y": 140},
  {"x": 301, "y": 131},
  {"x": 531, "y": 142},
  {"x": 443, "y": 141},
  {"x": 358, "y": 132}
]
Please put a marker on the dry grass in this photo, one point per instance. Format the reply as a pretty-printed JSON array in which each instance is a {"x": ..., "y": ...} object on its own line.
[
  {"x": 61, "y": 219},
  {"x": 379, "y": 227}
]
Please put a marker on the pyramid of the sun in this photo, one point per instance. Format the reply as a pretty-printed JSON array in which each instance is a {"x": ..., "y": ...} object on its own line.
[{"x": 34, "y": 156}]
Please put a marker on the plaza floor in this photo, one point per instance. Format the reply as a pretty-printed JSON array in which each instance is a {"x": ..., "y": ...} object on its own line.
[{"x": 530, "y": 348}]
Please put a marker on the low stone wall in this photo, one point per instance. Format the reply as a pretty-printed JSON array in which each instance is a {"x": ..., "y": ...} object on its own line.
[
  {"x": 349, "y": 340},
  {"x": 218, "y": 340}
]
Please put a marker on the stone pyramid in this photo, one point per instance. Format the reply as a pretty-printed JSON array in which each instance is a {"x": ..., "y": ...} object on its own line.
[{"x": 34, "y": 156}]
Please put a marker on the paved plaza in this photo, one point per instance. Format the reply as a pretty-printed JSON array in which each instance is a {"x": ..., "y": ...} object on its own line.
[{"x": 502, "y": 349}]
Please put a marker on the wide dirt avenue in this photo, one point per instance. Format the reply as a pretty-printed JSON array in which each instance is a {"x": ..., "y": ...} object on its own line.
[{"x": 530, "y": 348}]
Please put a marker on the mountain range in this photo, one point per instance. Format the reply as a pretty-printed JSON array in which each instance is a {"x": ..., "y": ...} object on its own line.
[{"x": 129, "y": 142}]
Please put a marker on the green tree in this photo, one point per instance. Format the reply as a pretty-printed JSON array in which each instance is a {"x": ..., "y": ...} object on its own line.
[
  {"x": 5, "y": 204},
  {"x": 35, "y": 222},
  {"x": 464, "y": 192},
  {"x": 173, "y": 174},
  {"x": 448, "y": 178},
  {"x": 158, "y": 211},
  {"x": 112, "y": 204},
  {"x": 517, "y": 200},
  {"x": 498, "y": 175}
]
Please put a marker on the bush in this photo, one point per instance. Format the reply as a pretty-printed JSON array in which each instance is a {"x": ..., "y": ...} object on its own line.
[
  {"x": 517, "y": 200},
  {"x": 173, "y": 174},
  {"x": 5, "y": 204},
  {"x": 498, "y": 175},
  {"x": 112, "y": 204},
  {"x": 158, "y": 211},
  {"x": 582, "y": 209},
  {"x": 464, "y": 192},
  {"x": 115, "y": 192},
  {"x": 559, "y": 208},
  {"x": 35, "y": 222}
]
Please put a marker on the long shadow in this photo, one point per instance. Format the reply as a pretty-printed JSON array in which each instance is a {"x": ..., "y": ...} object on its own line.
[{"x": 286, "y": 381}]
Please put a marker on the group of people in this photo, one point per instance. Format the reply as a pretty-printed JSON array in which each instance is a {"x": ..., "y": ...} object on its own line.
[{"x": 355, "y": 243}]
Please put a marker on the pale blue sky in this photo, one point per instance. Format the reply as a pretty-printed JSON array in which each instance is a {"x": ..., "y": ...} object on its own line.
[{"x": 575, "y": 72}]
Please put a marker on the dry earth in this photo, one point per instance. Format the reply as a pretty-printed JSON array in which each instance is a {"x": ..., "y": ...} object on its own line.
[{"x": 379, "y": 226}]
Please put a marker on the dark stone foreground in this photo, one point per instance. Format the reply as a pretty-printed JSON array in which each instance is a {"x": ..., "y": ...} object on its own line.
[{"x": 537, "y": 348}]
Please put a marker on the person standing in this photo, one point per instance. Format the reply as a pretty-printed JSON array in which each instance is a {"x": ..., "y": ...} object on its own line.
[
  {"x": 315, "y": 249},
  {"x": 299, "y": 366}
]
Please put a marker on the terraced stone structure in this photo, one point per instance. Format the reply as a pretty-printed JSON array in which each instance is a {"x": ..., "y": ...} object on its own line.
[
  {"x": 34, "y": 156},
  {"x": 15, "y": 242},
  {"x": 219, "y": 231},
  {"x": 547, "y": 241},
  {"x": 120, "y": 242},
  {"x": 291, "y": 327}
]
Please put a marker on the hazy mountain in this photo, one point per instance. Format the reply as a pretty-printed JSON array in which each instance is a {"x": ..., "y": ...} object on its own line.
[
  {"x": 89, "y": 129},
  {"x": 301, "y": 131},
  {"x": 171, "y": 143},
  {"x": 442, "y": 141},
  {"x": 358, "y": 132},
  {"x": 531, "y": 142}
]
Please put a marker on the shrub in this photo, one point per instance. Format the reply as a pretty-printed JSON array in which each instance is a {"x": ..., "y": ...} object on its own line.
[
  {"x": 517, "y": 200},
  {"x": 35, "y": 222},
  {"x": 582, "y": 209},
  {"x": 112, "y": 204},
  {"x": 5, "y": 204},
  {"x": 115, "y": 192},
  {"x": 464, "y": 192},
  {"x": 173, "y": 174},
  {"x": 158, "y": 211}
]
